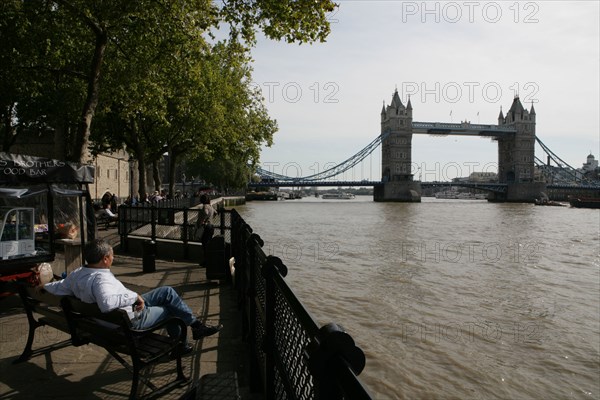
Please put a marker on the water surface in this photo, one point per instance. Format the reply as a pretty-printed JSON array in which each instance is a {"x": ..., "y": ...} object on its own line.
[{"x": 449, "y": 298}]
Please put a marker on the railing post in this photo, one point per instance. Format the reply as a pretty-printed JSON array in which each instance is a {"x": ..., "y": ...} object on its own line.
[
  {"x": 222, "y": 220},
  {"x": 273, "y": 266},
  {"x": 123, "y": 231},
  {"x": 332, "y": 342},
  {"x": 153, "y": 219},
  {"x": 251, "y": 269},
  {"x": 186, "y": 250}
]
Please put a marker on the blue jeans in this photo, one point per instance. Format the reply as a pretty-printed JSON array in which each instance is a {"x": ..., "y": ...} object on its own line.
[{"x": 160, "y": 304}]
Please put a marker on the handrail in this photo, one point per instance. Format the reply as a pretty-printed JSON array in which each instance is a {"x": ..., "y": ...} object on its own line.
[{"x": 291, "y": 357}]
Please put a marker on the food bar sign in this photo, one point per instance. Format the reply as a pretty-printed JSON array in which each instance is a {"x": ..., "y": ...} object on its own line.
[
  {"x": 22, "y": 168},
  {"x": 28, "y": 167}
]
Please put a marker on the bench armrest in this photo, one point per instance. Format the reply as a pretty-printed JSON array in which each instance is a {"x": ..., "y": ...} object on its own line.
[{"x": 163, "y": 324}]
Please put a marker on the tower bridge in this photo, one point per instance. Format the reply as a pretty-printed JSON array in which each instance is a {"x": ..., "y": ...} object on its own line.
[{"x": 514, "y": 133}]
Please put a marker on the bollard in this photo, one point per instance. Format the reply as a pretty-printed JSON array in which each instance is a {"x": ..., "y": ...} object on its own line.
[
  {"x": 149, "y": 256},
  {"x": 216, "y": 261}
]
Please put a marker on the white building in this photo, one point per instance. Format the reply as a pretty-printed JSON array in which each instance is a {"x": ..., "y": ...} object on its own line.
[
  {"x": 590, "y": 165},
  {"x": 483, "y": 177}
]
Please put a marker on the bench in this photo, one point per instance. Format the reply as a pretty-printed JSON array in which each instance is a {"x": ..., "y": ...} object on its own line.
[
  {"x": 86, "y": 324},
  {"x": 106, "y": 221}
]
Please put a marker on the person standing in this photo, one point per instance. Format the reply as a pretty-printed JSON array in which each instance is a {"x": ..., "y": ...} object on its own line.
[{"x": 204, "y": 227}]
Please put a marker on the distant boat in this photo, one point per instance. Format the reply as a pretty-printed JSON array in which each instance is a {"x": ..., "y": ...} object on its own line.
[
  {"x": 544, "y": 202},
  {"x": 585, "y": 202},
  {"x": 446, "y": 195},
  {"x": 268, "y": 196},
  {"x": 451, "y": 194},
  {"x": 287, "y": 195},
  {"x": 342, "y": 196}
]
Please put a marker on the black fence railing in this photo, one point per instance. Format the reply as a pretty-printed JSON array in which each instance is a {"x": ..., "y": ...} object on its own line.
[
  {"x": 291, "y": 357},
  {"x": 173, "y": 219}
]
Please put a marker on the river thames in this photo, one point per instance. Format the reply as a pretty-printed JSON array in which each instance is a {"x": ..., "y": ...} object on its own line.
[{"x": 449, "y": 299}]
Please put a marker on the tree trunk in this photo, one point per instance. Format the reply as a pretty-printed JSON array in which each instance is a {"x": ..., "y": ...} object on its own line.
[
  {"x": 142, "y": 178},
  {"x": 138, "y": 150},
  {"x": 156, "y": 175},
  {"x": 83, "y": 131},
  {"x": 172, "y": 166}
]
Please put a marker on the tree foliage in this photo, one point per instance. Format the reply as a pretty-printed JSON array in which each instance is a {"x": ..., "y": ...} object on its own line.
[{"x": 146, "y": 74}]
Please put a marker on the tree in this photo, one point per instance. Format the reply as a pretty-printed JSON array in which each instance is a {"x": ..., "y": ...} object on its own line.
[
  {"x": 73, "y": 48},
  {"x": 75, "y": 36},
  {"x": 235, "y": 124},
  {"x": 199, "y": 108},
  {"x": 302, "y": 21},
  {"x": 39, "y": 86}
]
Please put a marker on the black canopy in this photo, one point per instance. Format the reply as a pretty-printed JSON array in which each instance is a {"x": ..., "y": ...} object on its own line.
[{"x": 18, "y": 168}]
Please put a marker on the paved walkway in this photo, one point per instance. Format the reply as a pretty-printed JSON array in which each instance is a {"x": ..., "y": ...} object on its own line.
[{"x": 89, "y": 372}]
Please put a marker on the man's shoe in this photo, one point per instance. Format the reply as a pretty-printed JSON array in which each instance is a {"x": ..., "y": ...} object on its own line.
[{"x": 205, "y": 330}]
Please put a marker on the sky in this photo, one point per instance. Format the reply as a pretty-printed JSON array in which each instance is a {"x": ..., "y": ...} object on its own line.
[{"x": 461, "y": 60}]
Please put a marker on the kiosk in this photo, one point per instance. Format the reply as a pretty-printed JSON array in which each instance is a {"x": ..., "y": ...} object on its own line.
[{"x": 44, "y": 204}]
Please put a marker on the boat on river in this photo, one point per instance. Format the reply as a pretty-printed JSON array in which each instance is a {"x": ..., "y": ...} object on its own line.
[
  {"x": 451, "y": 194},
  {"x": 585, "y": 202},
  {"x": 340, "y": 196},
  {"x": 546, "y": 202},
  {"x": 263, "y": 196}
]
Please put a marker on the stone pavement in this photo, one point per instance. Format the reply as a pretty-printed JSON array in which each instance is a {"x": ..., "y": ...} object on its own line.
[{"x": 89, "y": 372}]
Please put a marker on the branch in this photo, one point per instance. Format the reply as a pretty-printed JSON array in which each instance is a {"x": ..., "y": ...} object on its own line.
[
  {"x": 76, "y": 74},
  {"x": 80, "y": 14}
]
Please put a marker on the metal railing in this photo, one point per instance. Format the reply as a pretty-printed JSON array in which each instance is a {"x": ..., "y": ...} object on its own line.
[
  {"x": 167, "y": 219},
  {"x": 291, "y": 357}
]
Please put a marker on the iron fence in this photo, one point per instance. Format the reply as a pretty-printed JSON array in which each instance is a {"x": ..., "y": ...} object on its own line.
[
  {"x": 168, "y": 219},
  {"x": 291, "y": 357}
]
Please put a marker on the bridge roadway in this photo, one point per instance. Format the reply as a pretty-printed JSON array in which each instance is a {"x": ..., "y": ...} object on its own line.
[
  {"x": 494, "y": 187},
  {"x": 491, "y": 187},
  {"x": 462, "y": 129}
]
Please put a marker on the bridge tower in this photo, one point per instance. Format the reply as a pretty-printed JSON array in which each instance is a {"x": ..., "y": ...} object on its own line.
[
  {"x": 516, "y": 155},
  {"x": 396, "y": 154}
]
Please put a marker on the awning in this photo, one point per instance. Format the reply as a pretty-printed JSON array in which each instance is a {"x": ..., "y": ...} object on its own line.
[{"x": 19, "y": 168}]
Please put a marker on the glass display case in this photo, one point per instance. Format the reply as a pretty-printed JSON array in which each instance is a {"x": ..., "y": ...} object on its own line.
[{"x": 17, "y": 235}]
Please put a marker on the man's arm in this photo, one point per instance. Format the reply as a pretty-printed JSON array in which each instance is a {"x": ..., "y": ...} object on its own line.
[
  {"x": 110, "y": 294},
  {"x": 59, "y": 288}
]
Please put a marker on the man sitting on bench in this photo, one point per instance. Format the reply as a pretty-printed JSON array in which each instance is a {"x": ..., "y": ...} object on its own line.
[
  {"x": 95, "y": 283},
  {"x": 108, "y": 214}
]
